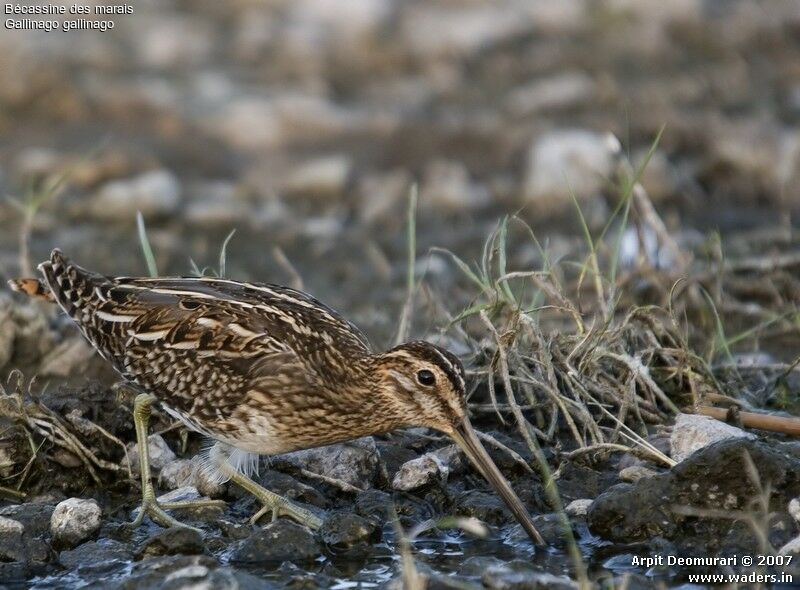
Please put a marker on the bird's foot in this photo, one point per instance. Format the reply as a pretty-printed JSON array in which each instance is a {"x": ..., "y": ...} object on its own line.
[
  {"x": 150, "y": 505},
  {"x": 280, "y": 506},
  {"x": 157, "y": 511},
  {"x": 275, "y": 504}
]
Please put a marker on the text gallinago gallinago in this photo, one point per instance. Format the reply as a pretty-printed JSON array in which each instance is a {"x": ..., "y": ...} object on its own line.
[{"x": 261, "y": 369}]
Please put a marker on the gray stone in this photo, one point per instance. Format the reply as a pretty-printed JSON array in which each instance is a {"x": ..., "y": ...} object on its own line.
[
  {"x": 189, "y": 472},
  {"x": 636, "y": 472},
  {"x": 17, "y": 544},
  {"x": 713, "y": 478},
  {"x": 447, "y": 185},
  {"x": 431, "y": 467},
  {"x": 67, "y": 358},
  {"x": 519, "y": 575},
  {"x": 159, "y": 452},
  {"x": 560, "y": 91},
  {"x": 173, "y": 541},
  {"x": 692, "y": 432},
  {"x": 34, "y": 517},
  {"x": 103, "y": 554},
  {"x": 321, "y": 177},
  {"x": 75, "y": 520},
  {"x": 355, "y": 462},
  {"x": 564, "y": 161},
  {"x": 157, "y": 192},
  {"x": 345, "y": 532},
  {"x": 578, "y": 507},
  {"x": 279, "y": 541}
]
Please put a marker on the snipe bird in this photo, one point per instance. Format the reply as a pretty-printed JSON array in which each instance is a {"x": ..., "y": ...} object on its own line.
[{"x": 261, "y": 369}]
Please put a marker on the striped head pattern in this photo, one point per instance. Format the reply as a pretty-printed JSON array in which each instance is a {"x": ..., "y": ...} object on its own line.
[{"x": 427, "y": 382}]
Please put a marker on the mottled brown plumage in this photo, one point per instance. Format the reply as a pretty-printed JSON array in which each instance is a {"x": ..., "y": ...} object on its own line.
[{"x": 262, "y": 368}]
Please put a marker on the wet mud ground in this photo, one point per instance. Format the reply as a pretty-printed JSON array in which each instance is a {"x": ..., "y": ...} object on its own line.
[{"x": 303, "y": 127}]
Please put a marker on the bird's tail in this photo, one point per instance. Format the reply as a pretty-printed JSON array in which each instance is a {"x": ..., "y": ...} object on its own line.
[
  {"x": 32, "y": 288},
  {"x": 64, "y": 283}
]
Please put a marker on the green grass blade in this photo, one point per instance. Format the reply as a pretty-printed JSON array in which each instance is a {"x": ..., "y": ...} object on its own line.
[
  {"x": 223, "y": 254},
  {"x": 147, "y": 251}
]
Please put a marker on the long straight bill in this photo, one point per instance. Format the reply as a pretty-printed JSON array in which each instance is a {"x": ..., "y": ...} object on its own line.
[{"x": 466, "y": 438}]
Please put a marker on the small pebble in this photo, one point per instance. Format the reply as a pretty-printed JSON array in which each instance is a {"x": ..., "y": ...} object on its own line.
[{"x": 75, "y": 520}]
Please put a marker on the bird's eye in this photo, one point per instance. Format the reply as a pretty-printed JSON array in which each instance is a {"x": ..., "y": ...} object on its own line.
[{"x": 426, "y": 377}]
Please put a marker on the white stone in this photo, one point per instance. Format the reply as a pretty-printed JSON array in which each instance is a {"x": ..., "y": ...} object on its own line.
[
  {"x": 182, "y": 473},
  {"x": 320, "y": 177},
  {"x": 159, "y": 452},
  {"x": 9, "y": 526},
  {"x": 355, "y": 462},
  {"x": 794, "y": 508},
  {"x": 447, "y": 185},
  {"x": 157, "y": 192},
  {"x": 561, "y": 91},
  {"x": 75, "y": 520},
  {"x": 692, "y": 433},
  {"x": 564, "y": 161},
  {"x": 578, "y": 507},
  {"x": 430, "y": 467}
]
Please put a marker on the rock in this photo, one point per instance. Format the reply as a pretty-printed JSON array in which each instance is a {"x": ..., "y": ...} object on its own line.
[
  {"x": 279, "y": 541},
  {"x": 355, "y": 462},
  {"x": 177, "y": 474},
  {"x": 11, "y": 544},
  {"x": 561, "y": 91},
  {"x": 578, "y": 507},
  {"x": 19, "y": 544},
  {"x": 564, "y": 161},
  {"x": 715, "y": 478},
  {"x": 447, "y": 186},
  {"x": 519, "y": 575},
  {"x": 285, "y": 485},
  {"x": 173, "y": 572},
  {"x": 75, "y": 520},
  {"x": 382, "y": 195},
  {"x": 634, "y": 473},
  {"x": 549, "y": 526},
  {"x": 794, "y": 508},
  {"x": 692, "y": 432},
  {"x": 67, "y": 358},
  {"x": 96, "y": 556},
  {"x": 159, "y": 451},
  {"x": 174, "y": 42},
  {"x": 373, "y": 504},
  {"x": 254, "y": 123},
  {"x": 154, "y": 193},
  {"x": 345, "y": 532},
  {"x": 483, "y": 506},
  {"x": 172, "y": 541},
  {"x": 322, "y": 177},
  {"x": 431, "y": 467},
  {"x": 34, "y": 517},
  {"x": 189, "y": 473},
  {"x": 216, "y": 204},
  {"x": 16, "y": 574}
]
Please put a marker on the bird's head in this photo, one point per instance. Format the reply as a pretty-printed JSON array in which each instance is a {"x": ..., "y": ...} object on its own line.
[
  {"x": 426, "y": 383},
  {"x": 426, "y": 386}
]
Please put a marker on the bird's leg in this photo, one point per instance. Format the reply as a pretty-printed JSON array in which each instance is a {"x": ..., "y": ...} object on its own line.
[
  {"x": 278, "y": 505},
  {"x": 150, "y": 505}
]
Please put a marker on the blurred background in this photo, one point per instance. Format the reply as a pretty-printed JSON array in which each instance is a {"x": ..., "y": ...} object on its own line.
[{"x": 303, "y": 124}]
